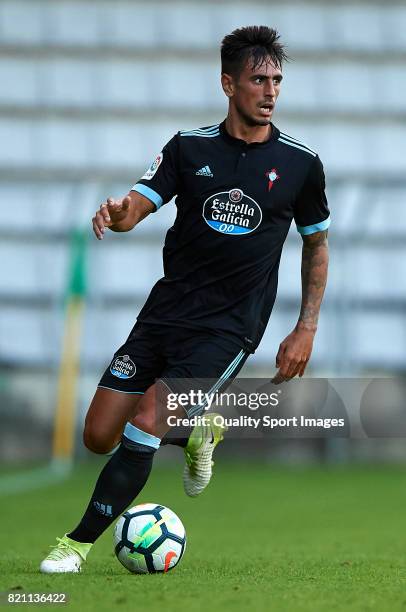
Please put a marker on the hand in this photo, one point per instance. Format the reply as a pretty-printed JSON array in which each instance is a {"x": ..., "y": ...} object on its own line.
[
  {"x": 110, "y": 213},
  {"x": 294, "y": 354}
]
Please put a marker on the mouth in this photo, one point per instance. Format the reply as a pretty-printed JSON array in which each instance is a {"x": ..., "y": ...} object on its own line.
[{"x": 266, "y": 109}]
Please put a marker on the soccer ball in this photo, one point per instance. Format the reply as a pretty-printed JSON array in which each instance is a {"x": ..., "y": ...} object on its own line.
[{"x": 149, "y": 538}]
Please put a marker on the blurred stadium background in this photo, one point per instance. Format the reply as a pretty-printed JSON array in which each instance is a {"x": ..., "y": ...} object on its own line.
[{"x": 90, "y": 93}]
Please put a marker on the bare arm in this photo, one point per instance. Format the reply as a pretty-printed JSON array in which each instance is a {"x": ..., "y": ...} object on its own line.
[
  {"x": 121, "y": 215},
  {"x": 314, "y": 278},
  {"x": 294, "y": 352}
]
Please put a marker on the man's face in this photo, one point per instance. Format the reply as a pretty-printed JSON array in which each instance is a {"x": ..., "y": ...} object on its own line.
[{"x": 254, "y": 93}]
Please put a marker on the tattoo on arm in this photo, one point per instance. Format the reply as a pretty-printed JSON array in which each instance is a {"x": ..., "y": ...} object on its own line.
[{"x": 314, "y": 277}]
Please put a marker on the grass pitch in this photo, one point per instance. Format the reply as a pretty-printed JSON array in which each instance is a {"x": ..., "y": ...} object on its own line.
[{"x": 260, "y": 538}]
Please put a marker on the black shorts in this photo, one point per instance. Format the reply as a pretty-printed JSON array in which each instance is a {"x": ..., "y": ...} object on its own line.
[{"x": 182, "y": 358}]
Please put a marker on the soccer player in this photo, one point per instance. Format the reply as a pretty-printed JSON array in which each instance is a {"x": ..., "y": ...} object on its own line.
[{"x": 239, "y": 184}]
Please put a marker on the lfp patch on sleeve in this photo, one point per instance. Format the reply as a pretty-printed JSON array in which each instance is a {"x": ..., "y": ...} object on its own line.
[
  {"x": 123, "y": 367},
  {"x": 153, "y": 167}
]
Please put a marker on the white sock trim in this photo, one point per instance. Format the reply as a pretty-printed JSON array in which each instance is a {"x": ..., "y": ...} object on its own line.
[{"x": 113, "y": 450}]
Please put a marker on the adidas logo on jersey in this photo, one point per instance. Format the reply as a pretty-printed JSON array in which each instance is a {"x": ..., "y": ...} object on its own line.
[{"x": 205, "y": 171}]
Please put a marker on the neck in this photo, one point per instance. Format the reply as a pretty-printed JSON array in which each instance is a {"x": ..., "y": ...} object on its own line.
[{"x": 238, "y": 128}]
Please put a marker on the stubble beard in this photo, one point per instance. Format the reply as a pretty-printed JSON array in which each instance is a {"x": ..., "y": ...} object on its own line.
[{"x": 251, "y": 121}]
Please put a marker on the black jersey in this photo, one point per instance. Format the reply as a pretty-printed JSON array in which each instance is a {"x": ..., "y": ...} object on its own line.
[{"x": 235, "y": 203}]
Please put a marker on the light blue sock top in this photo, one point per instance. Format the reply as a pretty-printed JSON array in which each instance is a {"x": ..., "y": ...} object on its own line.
[{"x": 141, "y": 437}]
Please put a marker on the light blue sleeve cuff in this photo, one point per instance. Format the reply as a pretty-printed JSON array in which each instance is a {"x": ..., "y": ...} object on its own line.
[
  {"x": 149, "y": 193},
  {"x": 312, "y": 229}
]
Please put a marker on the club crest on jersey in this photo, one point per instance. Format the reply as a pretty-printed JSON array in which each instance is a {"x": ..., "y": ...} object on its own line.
[
  {"x": 153, "y": 167},
  {"x": 272, "y": 176},
  {"x": 232, "y": 212},
  {"x": 123, "y": 367},
  {"x": 236, "y": 195}
]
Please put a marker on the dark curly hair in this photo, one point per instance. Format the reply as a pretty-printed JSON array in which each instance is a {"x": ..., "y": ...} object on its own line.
[{"x": 251, "y": 42}]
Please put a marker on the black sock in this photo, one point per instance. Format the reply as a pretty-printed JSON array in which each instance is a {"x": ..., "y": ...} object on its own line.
[
  {"x": 120, "y": 481},
  {"x": 179, "y": 436}
]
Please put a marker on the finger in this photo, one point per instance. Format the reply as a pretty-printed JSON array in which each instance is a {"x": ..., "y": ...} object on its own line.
[
  {"x": 294, "y": 372},
  {"x": 303, "y": 367},
  {"x": 289, "y": 367},
  {"x": 101, "y": 221},
  {"x": 114, "y": 205},
  {"x": 125, "y": 203},
  {"x": 97, "y": 232},
  {"x": 279, "y": 356},
  {"x": 292, "y": 367},
  {"x": 284, "y": 362},
  {"x": 278, "y": 378},
  {"x": 105, "y": 213}
]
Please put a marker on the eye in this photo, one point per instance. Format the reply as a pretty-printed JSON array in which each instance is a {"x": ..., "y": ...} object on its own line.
[{"x": 259, "y": 79}]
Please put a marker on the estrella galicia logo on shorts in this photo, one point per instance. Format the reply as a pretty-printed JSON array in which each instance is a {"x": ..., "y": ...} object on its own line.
[
  {"x": 232, "y": 212},
  {"x": 123, "y": 367}
]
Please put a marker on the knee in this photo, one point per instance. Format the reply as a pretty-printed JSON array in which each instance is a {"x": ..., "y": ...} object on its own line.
[
  {"x": 146, "y": 422},
  {"x": 152, "y": 411},
  {"x": 98, "y": 441}
]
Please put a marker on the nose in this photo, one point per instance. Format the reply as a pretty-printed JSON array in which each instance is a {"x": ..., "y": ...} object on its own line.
[{"x": 270, "y": 88}]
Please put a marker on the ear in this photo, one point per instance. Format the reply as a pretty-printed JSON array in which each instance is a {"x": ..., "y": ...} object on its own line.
[{"x": 227, "y": 83}]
